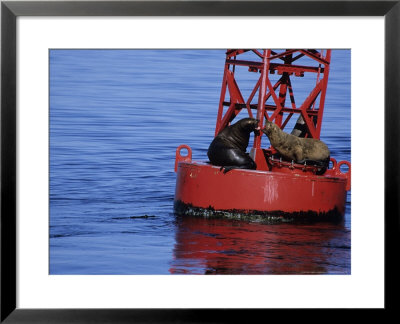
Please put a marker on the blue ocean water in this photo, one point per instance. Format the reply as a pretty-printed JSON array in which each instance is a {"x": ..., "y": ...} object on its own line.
[{"x": 116, "y": 119}]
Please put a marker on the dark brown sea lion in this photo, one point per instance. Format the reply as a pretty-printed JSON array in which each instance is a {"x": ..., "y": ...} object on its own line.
[
  {"x": 297, "y": 149},
  {"x": 228, "y": 149}
]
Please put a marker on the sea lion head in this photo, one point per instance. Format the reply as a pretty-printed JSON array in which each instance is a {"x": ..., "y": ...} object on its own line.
[
  {"x": 248, "y": 124},
  {"x": 269, "y": 128}
]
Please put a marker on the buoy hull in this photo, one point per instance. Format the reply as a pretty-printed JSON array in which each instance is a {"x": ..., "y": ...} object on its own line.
[{"x": 204, "y": 190}]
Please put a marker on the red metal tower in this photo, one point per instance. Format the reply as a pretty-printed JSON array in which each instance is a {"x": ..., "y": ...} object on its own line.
[{"x": 269, "y": 97}]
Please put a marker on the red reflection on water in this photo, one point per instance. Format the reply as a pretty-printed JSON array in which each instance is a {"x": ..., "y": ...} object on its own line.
[{"x": 222, "y": 246}]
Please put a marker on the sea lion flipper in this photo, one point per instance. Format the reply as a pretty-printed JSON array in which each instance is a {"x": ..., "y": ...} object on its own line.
[
  {"x": 227, "y": 168},
  {"x": 252, "y": 165}
]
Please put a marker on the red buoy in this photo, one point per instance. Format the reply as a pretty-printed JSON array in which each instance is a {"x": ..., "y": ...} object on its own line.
[{"x": 277, "y": 190}]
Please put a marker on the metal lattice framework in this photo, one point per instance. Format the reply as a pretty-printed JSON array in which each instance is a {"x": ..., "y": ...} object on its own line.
[{"x": 269, "y": 98}]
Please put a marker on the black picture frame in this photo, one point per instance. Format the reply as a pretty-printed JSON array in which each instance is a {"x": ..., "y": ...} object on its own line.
[{"x": 10, "y": 10}]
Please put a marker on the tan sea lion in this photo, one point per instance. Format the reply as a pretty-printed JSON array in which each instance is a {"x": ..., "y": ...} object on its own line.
[
  {"x": 228, "y": 149},
  {"x": 298, "y": 149}
]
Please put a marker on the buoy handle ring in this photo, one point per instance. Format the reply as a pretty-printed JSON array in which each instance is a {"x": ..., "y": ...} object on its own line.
[
  {"x": 182, "y": 158},
  {"x": 347, "y": 174}
]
